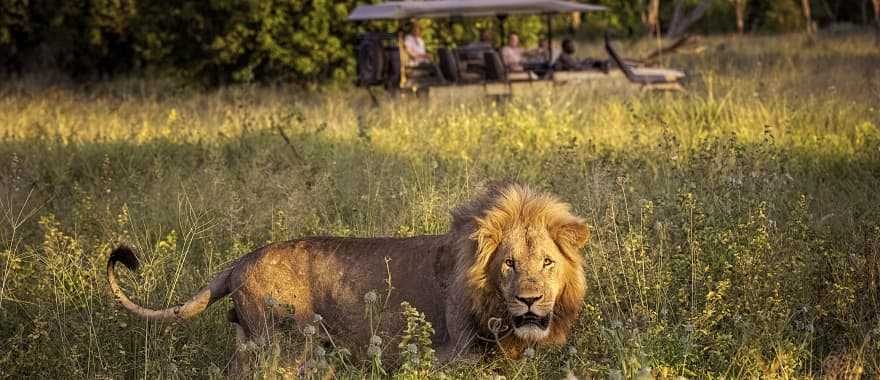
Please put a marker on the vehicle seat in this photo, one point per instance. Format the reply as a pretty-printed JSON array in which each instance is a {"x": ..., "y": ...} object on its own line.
[
  {"x": 495, "y": 69},
  {"x": 471, "y": 63},
  {"x": 645, "y": 77},
  {"x": 448, "y": 65}
]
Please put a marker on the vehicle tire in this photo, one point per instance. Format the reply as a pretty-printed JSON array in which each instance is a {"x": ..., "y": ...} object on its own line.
[
  {"x": 448, "y": 65},
  {"x": 495, "y": 69},
  {"x": 370, "y": 62}
]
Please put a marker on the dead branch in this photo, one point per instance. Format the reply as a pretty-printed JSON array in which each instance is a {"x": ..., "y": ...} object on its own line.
[
  {"x": 680, "y": 22},
  {"x": 293, "y": 150},
  {"x": 652, "y": 56}
]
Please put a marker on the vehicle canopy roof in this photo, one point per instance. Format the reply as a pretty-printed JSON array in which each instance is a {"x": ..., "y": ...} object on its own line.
[{"x": 397, "y": 10}]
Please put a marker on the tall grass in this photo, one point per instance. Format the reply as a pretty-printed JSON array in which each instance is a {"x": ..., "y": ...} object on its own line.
[{"x": 736, "y": 228}]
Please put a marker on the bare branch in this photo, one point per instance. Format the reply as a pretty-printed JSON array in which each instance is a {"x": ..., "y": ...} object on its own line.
[{"x": 680, "y": 23}]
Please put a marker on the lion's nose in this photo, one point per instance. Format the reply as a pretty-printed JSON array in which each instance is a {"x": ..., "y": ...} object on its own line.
[{"x": 529, "y": 300}]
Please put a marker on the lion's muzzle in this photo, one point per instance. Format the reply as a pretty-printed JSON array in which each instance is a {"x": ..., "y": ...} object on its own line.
[
  {"x": 530, "y": 310},
  {"x": 531, "y": 319},
  {"x": 532, "y": 327}
]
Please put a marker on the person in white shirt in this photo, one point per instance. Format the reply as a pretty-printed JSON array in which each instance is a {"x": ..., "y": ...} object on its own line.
[
  {"x": 415, "y": 46},
  {"x": 512, "y": 54}
]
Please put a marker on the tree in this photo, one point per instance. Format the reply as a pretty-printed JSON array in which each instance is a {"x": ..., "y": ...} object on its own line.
[
  {"x": 877, "y": 19},
  {"x": 740, "y": 6},
  {"x": 15, "y": 31},
  {"x": 653, "y": 22},
  {"x": 808, "y": 17}
]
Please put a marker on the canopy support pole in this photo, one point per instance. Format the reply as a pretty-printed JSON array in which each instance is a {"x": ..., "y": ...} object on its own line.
[{"x": 502, "y": 30}]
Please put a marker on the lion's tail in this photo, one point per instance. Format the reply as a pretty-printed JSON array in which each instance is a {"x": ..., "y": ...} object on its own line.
[{"x": 215, "y": 290}]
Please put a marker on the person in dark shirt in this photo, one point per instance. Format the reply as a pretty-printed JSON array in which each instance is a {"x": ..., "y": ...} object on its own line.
[{"x": 567, "y": 62}]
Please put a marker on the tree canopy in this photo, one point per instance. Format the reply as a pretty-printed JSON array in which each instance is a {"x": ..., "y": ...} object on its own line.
[{"x": 220, "y": 41}]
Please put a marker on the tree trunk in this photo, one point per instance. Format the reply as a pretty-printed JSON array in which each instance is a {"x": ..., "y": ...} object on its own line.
[
  {"x": 808, "y": 17},
  {"x": 740, "y": 6},
  {"x": 877, "y": 19},
  {"x": 680, "y": 22},
  {"x": 654, "y": 18}
]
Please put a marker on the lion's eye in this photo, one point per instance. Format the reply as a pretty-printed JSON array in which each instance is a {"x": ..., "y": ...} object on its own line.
[
  {"x": 509, "y": 262},
  {"x": 547, "y": 262}
]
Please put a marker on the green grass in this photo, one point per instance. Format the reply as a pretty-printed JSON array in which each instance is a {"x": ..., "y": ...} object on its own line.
[{"x": 736, "y": 227}]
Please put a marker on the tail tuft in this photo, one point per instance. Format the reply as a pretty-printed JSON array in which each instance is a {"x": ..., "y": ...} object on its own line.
[{"x": 126, "y": 256}]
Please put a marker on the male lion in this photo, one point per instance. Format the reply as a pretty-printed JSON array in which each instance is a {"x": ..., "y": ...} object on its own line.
[{"x": 511, "y": 261}]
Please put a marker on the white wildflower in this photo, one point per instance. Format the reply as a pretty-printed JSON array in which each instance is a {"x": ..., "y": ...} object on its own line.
[
  {"x": 309, "y": 330},
  {"x": 371, "y": 297}
]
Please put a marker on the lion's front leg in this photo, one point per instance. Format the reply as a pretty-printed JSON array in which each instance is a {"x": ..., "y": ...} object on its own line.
[
  {"x": 448, "y": 354},
  {"x": 460, "y": 335}
]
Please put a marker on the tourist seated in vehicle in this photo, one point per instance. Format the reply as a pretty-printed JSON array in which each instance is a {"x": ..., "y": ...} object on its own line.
[
  {"x": 512, "y": 54},
  {"x": 485, "y": 41},
  {"x": 471, "y": 56},
  {"x": 418, "y": 62},
  {"x": 538, "y": 55},
  {"x": 473, "y": 51},
  {"x": 567, "y": 62},
  {"x": 415, "y": 46}
]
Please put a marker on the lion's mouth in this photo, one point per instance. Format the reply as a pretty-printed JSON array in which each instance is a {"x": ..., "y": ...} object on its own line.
[{"x": 530, "y": 318}]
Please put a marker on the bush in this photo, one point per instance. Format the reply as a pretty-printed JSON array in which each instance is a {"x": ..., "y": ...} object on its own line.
[
  {"x": 781, "y": 16},
  {"x": 221, "y": 41}
]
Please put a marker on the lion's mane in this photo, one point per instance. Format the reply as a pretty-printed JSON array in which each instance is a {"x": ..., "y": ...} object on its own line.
[{"x": 477, "y": 228}]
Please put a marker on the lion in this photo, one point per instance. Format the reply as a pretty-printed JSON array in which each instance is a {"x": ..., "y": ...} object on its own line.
[{"x": 509, "y": 271}]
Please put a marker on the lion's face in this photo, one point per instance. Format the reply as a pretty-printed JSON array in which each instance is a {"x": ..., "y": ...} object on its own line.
[
  {"x": 530, "y": 276},
  {"x": 520, "y": 257}
]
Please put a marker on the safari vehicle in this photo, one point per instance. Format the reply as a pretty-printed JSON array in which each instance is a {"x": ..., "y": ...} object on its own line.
[{"x": 478, "y": 68}]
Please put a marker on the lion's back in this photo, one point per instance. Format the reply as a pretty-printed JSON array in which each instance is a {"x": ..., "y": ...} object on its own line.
[{"x": 330, "y": 276}]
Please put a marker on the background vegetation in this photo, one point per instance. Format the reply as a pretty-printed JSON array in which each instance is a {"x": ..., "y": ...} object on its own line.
[
  {"x": 736, "y": 228},
  {"x": 221, "y": 41}
]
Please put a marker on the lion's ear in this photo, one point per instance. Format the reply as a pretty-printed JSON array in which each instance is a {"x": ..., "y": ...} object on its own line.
[{"x": 574, "y": 234}]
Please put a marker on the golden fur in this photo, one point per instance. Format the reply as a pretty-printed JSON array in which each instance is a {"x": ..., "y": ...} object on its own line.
[
  {"x": 485, "y": 221},
  {"x": 512, "y": 254}
]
